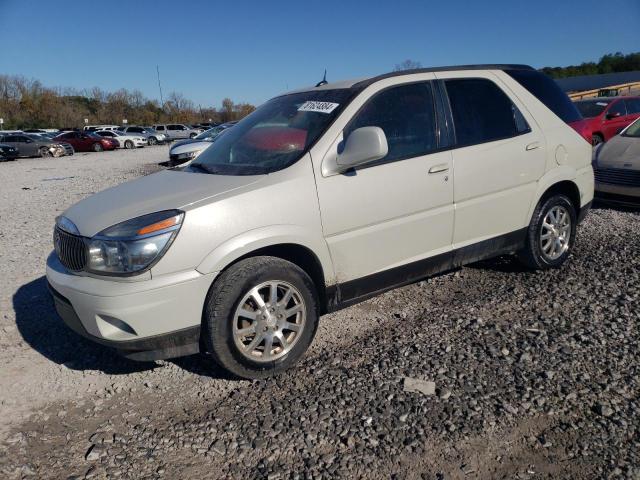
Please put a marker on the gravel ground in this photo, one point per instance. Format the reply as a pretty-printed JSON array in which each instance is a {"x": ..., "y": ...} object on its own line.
[{"x": 486, "y": 372}]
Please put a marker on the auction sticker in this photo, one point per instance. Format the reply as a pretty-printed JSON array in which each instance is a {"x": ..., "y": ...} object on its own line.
[{"x": 320, "y": 107}]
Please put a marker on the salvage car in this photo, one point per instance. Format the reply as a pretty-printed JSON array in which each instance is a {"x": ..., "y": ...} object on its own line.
[
  {"x": 34, "y": 145},
  {"x": 175, "y": 131},
  {"x": 319, "y": 199},
  {"x": 7, "y": 152},
  {"x": 87, "y": 141},
  {"x": 149, "y": 133},
  {"x": 186, "y": 150},
  {"x": 616, "y": 166},
  {"x": 125, "y": 140},
  {"x": 608, "y": 116}
]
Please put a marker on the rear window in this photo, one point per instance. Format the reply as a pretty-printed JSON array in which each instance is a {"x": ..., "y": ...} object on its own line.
[
  {"x": 591, "y": 108},
  {"x": 548, "y": 92}
]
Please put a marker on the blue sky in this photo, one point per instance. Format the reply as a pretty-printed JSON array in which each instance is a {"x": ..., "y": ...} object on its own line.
[{"x": 252, "y": 50}]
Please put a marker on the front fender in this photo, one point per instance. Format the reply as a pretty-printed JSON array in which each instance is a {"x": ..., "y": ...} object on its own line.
[{"x": 234, "y": 248}]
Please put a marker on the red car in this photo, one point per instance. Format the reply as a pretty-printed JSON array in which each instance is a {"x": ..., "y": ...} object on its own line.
[
  {"x": 607, "y": 116},
  {"x": 87, "y": 141}
]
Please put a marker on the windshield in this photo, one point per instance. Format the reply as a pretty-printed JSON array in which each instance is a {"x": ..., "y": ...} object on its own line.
[
  {"x": 209, "y": 134},
  {"x": 590, "y": 109},
  {"x": 274, "y": 136},
  {"x": 633, "y": 130}
]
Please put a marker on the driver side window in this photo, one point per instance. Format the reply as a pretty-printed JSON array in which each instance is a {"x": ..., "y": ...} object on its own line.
[{"x": 406, "y": 114}]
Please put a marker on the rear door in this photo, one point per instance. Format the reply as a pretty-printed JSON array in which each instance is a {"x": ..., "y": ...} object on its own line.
[
  {"x": 387, "y": 215},
  {"x": 498, "y": 159}
]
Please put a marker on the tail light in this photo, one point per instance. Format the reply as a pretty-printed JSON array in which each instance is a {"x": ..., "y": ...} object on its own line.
[{"x": 583, "y": 128}]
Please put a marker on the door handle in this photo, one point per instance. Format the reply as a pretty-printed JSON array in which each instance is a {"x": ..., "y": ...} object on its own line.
[
  {"x": 532, "y": 146},
  {"x": 443, "y": 167}
]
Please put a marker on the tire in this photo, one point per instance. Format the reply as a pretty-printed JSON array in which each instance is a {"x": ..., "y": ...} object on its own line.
[
  {"x": 551, "y": 252},
  {"x": 596, "y": 139},
  {"x": 193, "y": 135},
  {"x": 44, "y": 152},
  {"x": 232, "y": 291},
  {"x": 152, "y": 140},
  {"x": 128, "y": 144},
  {"x": 97, "y": 147}
]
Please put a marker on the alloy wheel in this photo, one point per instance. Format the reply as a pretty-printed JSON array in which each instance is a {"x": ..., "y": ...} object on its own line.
[
  {"x": 268, "y": 321},
  {"x": 555, "y": 233}
]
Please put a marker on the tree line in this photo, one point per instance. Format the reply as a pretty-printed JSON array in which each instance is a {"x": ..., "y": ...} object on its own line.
[
  {"x": 26, "y": 103},
  {"x": 609, "y": 63}
]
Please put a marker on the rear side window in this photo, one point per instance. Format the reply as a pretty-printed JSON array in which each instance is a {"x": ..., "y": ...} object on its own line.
[
  {"x": 548, "y": 92},
  {"x": 482, "y": 112},
  {"x": 617, "y": 109},
  {"x": 633, "y": 105},
  {"x": 406, "y": 114}
]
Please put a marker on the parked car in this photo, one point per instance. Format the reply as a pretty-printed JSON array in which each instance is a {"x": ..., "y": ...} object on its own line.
[
  {"x": 7, "y": 152},
  {"x": 320, "y": 199},
  {"x": 150, "y": 134},
  {"x": 125, "y": 140},
  {"x": 34, "y": 145},
  {"x": 175, "y": 131},
  {"x": 617, "y": 167},
  {"x": 95, "y": 128},
  {"x": 87, "y": 141},
  {"x": 607, "y": 116},
  {"x": 186, "y": 150}
]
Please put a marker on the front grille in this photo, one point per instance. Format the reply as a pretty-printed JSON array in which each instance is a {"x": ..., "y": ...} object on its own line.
[
  {"x": 618, "y": 176},
  {"x": 70, "y": 249}
]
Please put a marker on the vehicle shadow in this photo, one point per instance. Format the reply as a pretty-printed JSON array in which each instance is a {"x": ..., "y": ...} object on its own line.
[
  {"x": 504, "y": 264},
  {"x": 42, "y": 328}
]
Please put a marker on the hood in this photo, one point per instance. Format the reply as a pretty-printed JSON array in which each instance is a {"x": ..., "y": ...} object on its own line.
[
  {"x": 165, "y": 190},
  {"x": 187, "y": 141},
  {"x": 194, "y": 146},
  {"x": 620, "y": 152}
]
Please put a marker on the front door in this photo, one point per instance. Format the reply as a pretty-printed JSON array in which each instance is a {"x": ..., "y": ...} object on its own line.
[{"x": 381, "y": 217}]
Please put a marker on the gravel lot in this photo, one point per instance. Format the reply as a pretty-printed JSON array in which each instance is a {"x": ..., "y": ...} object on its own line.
[{"x": 525, "y": 375}]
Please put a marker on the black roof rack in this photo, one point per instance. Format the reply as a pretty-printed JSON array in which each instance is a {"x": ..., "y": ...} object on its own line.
[{"x": 489, "y": 66}]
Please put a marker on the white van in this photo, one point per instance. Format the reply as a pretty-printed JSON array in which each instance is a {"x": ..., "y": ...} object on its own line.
[{"x": 320, "y": 199}]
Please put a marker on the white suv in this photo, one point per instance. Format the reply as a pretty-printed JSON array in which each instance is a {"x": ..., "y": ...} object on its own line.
[{"x": 318, "y": 200}]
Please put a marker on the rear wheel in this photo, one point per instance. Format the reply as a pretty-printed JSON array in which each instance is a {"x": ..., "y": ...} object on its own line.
[
  {"x": 128, "y": 144},
  {"x": 97, "y": 147},
  {"x": 260, "y": 317},
  {"x": 551, "y": 234},
  {"x": 596, "y": 139}
]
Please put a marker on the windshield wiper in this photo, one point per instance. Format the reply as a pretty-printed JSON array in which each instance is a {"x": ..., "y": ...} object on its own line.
[{"x": 201, "y": 167}]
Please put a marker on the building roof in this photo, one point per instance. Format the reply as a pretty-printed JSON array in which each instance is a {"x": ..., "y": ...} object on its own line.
[{"x": 592, "y": 82}]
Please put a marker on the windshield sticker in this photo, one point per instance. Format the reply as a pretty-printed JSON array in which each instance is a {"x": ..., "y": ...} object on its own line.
[
  {"x": 602, "y": 104},
  {"x": 320, "y": 107}
]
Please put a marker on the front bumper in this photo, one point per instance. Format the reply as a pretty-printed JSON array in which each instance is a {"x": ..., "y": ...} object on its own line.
[{"x": 148, "y": 319}]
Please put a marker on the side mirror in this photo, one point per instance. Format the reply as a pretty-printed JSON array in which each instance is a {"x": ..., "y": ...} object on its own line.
[
  {"x": 364, "y": 145},
  {"x": 613, "y": 115}
]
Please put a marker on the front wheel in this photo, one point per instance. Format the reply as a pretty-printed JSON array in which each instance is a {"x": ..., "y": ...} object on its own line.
[
  {"x": 596, "y": 139},
  {"x": 44, "y": 152},
  {"x": 97, "y": 147},
  {"x": 128, "y": 144},
  {"x": 551, "y": 234},
  {"x": 260, "y": 317},
  {"x": 152, "y": 140}
]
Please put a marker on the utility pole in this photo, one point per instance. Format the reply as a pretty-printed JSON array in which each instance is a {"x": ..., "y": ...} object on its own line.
[{"x": 160, "y": 87}]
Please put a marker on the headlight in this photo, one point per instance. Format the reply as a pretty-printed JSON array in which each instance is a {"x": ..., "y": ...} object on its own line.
[{"x": 134, "y": 245}]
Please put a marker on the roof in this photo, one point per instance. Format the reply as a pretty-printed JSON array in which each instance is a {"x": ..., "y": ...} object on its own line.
[
  {"x": 593, "y": 82},
  {"x": 361, "y": 83}
]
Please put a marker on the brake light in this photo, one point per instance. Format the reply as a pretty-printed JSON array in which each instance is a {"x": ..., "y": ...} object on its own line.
[{"x": 583, "y": 128}]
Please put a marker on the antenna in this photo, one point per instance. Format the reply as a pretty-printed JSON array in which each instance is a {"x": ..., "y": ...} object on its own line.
[
  {"x": 324, "y": 79},
  {"x": 160, "y": 87}
]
